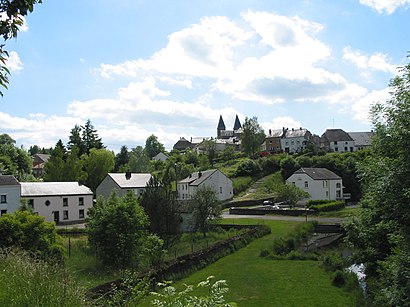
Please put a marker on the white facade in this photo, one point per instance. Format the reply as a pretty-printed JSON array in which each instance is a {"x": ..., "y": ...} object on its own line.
[
  {"x": 220, "y": 183},
  {"x": 342, "y": 146},
  {"x": 121, "y": 183},
  {"x": 10, "y": 191},
  {"x": 320, "y": 183},
  {"x": 60, "y": 202},
  {"x": 295, "y": 140}
]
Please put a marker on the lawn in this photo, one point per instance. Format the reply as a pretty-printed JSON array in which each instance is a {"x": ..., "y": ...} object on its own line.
[{"x": 256, "y": 281}]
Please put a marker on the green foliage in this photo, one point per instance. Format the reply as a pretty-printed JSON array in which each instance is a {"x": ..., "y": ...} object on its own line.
[
  {"x": 380, "y": 235},
  {"x": 122, "y": 158},
  {"x": 330, "y": 206},
  {"x": 160, "y": 205},
  {"x": 284, "y": 245},
  {"x": 252, "y": 136},
  {"x": 206, "y": 209},
  {"x": 214, "y": 297},
  {"x": 240, "y": 184},
  {"x": 97, "y": 164},
  {"x": 290, "y": 194},
  {"x": 13, "y": 160},
  {"x": 338, "y": 279},
  {"x": 248, "y": 167},
  {"x": 139, "y": 161},
  {"x": 31, "y": 233},
  {"x": 153, "y": 146},
  {"x": 117, "y": 229},
  {"x": 28, "y": 281},
  {"x": 288, "y": 166}
]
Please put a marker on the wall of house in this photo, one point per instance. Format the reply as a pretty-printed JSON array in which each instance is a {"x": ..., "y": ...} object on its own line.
[
  {"x": 295, "y": 144},
  {"x": 12, "y": 193},
  {"x": 342, "y": 146},
  {"x": 318, "y": 189},
  {"x": 221, "y": 184},
  {"x": 52, "y": 206},
  {"x": 107, "y": 186},
  {"x": 272, "y": 144}
]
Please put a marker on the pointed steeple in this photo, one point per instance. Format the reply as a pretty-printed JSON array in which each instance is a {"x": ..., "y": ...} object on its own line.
[
  {"x": 221, "y": 126},
  {"x": 237, "y": 124}
]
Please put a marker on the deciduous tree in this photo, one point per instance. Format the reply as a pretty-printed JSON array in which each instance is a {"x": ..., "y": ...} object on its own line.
[
  {"x": 153, "y": 146},
  {"x": 206, "y": 208},
  {"x": 252, "y": 136},
  {"x": 97, "y": 165}
]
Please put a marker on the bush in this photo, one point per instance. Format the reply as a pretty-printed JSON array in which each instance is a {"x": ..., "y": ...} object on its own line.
[
  {"x": 338, "y": 279},
  {"x": 264, "y": 253},
  {"x": 240, "y": 184},
  {"x": 332, "y": 206},
  {"x": 332, "y": 261},
  {"x": 283, "y": 246},
  {"x": 248, "y": 167}
]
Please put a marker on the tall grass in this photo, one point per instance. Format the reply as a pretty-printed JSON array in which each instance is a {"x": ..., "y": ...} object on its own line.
[{"x": 25, "y": 281}]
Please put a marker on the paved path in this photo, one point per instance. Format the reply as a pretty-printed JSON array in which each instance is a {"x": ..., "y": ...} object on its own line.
[{"x": 331, "y": 220}]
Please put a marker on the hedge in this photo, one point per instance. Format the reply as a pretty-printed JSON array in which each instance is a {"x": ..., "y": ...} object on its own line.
[{"x": 331, "y": 206}]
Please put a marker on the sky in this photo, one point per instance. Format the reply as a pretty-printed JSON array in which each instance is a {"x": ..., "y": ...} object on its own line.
[{"x": 171, "y": 68}]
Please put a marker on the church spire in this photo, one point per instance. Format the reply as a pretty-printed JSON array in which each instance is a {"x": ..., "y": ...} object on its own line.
[
  {"x": 221, "y": 126},
  {"x": 237, "y": 124}
]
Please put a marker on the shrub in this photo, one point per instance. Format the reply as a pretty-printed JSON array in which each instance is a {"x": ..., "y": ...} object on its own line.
[
  {"x": 338, "y": 279},
  {"x": 332, "y": 206},
  {"x": 332, "y": 261},
  {"x": 248, "y": 167},
  {"x": 264, "y": 253}
]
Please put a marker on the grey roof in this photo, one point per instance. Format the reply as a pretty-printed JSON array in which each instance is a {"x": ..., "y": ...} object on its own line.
[
  {"x": 42, "y": 157},
  {"x": 221, "y": 124},
  {"x": 198, "y": 177},
  {"x": 275, "y": 133},
  {"x": 318, "y": 173},
  {"x": 362, "y": 138},
  {"x": 137, "y": 180},
  {"x": 8, "y": 180},
  {"x": 237, "y": 125},
  {"x": 332, "y": 135},
  {"x": 53, "y": 188},
  {"x": 295, "y": 133}
]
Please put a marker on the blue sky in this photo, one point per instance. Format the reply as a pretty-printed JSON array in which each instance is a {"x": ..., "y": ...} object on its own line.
[{"x": 170, "y": 68}]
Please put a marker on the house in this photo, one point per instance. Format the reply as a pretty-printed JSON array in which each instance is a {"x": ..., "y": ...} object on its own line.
[
  {"x": 39, "y": 160},
  {"x": 337, "y": 140},
  {"x": 182, "y": 144},
  {"x": 361, "y": 140},
  {"x": 10, "y": 191},
  {"x": 320, "y": 183},
  {"x": 160, "y": 157},
  {"x": 295, "y": 140},
  {"x": 221, "y": 184},
  {"x": 273, "y": 141},
  {"x": 61, "y": 202},
  {"x": 122, "y": 183}
]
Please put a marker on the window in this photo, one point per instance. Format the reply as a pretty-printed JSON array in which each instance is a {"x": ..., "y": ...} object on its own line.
[
  {"x": 338, "y": 194},
  {"x": 338, "y": 185},
  {"x": 345, "y": 148},
  {"x": 336, "y": 149},
  {"x": 65, "y": 202},
  {"x": 294, "y": 183},
  {"x": 220, "y": 190},
  {"x": 81, "y": 213},
  {"x": 65, "y": 215},
  {"x": 3, "y": 199},
  {"x": 3, "y": 212},
  {"x": 81, "y": 201},
  {"x": 306, "y": 184},
  {"x": 31, "y": 203},
  {"x": 327, "y": 194},
  {"x": 335, "y": 142},
  {"x": 47, "y": 203},
  {"x": 325, "y": 184}
]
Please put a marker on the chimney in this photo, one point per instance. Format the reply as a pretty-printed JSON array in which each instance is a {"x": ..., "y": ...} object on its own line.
[
  {"x": 270, "y": 132},
  {"x": 199, "y": 174},
  {"x": 128, "y": 175}
]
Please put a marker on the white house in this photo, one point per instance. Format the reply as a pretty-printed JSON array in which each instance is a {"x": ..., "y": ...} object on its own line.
[
  {"x": 221, "y": 184},
  {"x": 61, "y": 202},
  {"x": 337, "y": 140},
  {"x": 122, "y": 183},
  {"x": 10, "y": 191},
  {"x": 295, "y": 140},
  {"x": 320, "y": 183}
]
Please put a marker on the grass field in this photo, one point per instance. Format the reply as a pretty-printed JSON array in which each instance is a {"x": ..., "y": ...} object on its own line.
[{"x": 256, "y": 281}]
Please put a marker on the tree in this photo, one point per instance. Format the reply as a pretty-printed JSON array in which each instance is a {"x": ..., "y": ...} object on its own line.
[
  {"x": 54, "y": 167},
  {"x": 139, "y": 161},
  {"x": 381, "y": 233},
  {"x": 13, "y": 160},
  {"x": 12, "y": 12},
  {"x": 153, "y": 146},
  {"x": 206, "y": 208},
  {"x": 122, "y": 158},
  {"x": 252, "y": 136},
  {"x": 97, "y": 165},
  {"x": 117, "y": 229},
  {"x": 31, "y": 233},
  {"x": 73, "y": 168},
  {"x": 90, "y": 137},
  {"x": 210, "y": 150},
  {"x": 290, "y": 194},
  {"x": 159, "y": 203},
  {"x": 75, "y": 139}
]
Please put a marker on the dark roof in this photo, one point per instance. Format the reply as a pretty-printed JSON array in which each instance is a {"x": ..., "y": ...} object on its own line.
[
  {"x": 237, "y": 124},
  {"x": 42, "y": 157},
  {"x": 362, "y": 138},
  {"x": 221, "y": 124},
  {"x": 198, "y": 177},
  {"x": 8, "y": 180},
  {"x": 318, "y": 173},
  {"x": 332, "y": 135},
  {"x": 182, "y": 144},
  {"x": 295, "y": 133}
]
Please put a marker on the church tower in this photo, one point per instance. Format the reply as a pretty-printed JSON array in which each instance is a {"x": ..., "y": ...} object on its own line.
[{"x": 221, "y": 127}]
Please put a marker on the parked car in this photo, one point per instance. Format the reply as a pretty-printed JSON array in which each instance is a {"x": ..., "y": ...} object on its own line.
[{"x": 268, "y": 202}]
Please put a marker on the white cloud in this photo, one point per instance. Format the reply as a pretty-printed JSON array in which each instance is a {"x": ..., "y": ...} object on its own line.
[
  {"x": 361, "y": 108},
  {"x": 376, "y": 61},
  {"x": 281, "y": 122},
  {"x": 388, "y": 6},
  {"x": 14, "y": 62}
]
